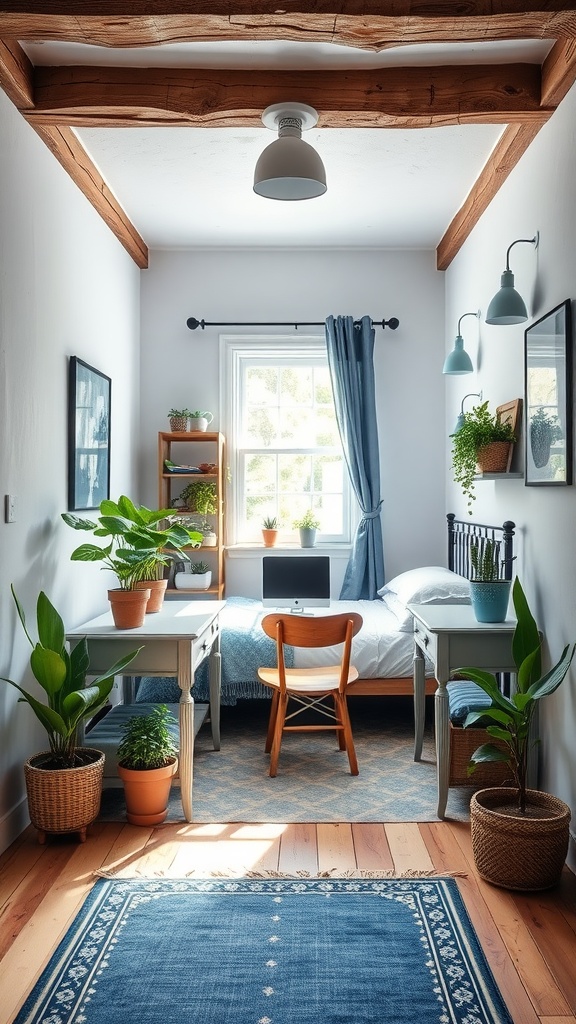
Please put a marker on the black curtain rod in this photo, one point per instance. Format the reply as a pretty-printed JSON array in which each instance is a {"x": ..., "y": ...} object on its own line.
[{"x": 193, "y": 323}]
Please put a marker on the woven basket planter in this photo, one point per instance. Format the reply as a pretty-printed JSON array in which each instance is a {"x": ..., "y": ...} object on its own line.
[
  {"x": 463, "y": 743},
  {"x": 515, "y": 852},
  {"x": 65, "y": 799},
  {"x": 493, "y": 458}
]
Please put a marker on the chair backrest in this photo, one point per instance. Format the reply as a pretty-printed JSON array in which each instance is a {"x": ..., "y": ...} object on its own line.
[{"x": 313, "y": 631}]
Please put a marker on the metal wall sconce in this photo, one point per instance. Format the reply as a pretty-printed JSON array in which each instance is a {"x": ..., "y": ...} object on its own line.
[
  {"x": 289, "y": 168},
  {"x": 460, "y": 420},
  {"x": 458, "y": 361},
  {"x": 507, "y": 306}
]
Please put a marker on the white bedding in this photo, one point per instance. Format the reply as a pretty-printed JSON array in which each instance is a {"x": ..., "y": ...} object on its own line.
[{"x": 379, "y": 651}]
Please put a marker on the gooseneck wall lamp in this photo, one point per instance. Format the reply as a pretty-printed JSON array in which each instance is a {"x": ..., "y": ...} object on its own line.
[
  {"x": 458, "y": 361},
  {"x": 289, "y": 168},
  {"x": 507, "y": 306},
  {"x": 460, "y": 420}
]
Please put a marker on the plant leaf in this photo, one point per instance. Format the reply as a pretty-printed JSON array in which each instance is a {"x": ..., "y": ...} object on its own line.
[{"x": 50, "y": 626}]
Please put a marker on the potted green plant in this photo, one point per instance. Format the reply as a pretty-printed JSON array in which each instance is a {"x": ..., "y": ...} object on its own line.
[
  {"x": 200, "y": 420},
  {"x": 64, "y": 783},
  {"x": 489, "y": 589},
  {"x": 269, "y": 531},
  {"x": 544, "y": 431},
  {"x": 519, "y": 835},
  {"x": 147, "y": 761},
  {"x": 178, "y": 420},
  {"x": 481, "y": 441},
  {"x": 307, "y": 525},
  {"x": 199, "y": 496},
  {"x": 141, "y": 543},
  {"x": 197, "y": 576}
]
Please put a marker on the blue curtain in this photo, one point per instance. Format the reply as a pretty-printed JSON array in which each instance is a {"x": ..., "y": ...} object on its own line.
[{"x": 351, "y": 360}]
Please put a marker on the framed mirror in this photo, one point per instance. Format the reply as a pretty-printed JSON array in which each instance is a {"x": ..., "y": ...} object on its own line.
[{"x": 548, "y": 398}]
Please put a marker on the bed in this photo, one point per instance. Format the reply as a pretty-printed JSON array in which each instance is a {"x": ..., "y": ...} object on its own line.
[{"x": 382, "y": 651}]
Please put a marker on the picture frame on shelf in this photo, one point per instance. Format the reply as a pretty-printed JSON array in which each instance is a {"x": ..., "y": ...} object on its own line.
[
  {"x": 89, "y": 394},
  {"x": 548, "y": 398},
  {"x": 511, "y": 412}
]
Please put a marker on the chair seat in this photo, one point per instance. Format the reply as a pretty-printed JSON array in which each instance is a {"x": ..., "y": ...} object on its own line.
[{"x": 308, "y": 680}]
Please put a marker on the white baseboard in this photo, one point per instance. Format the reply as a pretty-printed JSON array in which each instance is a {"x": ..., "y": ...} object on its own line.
[{"x": 13, "y": 823}]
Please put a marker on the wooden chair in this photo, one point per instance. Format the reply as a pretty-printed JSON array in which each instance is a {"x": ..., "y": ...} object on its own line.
[{"x": 310, "y": 687}]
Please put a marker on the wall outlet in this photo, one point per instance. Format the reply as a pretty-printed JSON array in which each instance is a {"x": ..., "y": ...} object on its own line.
[{"x": 9, "y": 508}]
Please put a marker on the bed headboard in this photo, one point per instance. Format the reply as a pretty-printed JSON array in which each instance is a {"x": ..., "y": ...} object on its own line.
[{"x": 462, "y": 534}]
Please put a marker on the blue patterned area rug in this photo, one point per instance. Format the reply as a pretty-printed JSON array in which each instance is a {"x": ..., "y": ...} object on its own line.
[
  {"x": 203, "y": 951},
  {"x": 313, "y": 782}
]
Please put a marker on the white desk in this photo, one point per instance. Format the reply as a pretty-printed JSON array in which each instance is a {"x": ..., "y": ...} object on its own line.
[
  {"x": 174, "y": 642},
  {"x": 452, "y": 638}
]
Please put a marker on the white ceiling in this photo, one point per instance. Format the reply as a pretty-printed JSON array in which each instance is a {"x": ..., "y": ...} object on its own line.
[{"x": 192, "y": 187}]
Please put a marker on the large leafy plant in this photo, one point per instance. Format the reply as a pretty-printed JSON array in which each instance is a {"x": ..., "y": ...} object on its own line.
[
  {"x": 479, "y": 428},
  {"x": 511, "y": 717},
  {"x": 62, "y": 675},
  {"x": 141, "y": 541}
]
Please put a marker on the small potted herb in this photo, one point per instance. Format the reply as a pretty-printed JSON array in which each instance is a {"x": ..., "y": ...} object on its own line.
[
  {"x": 269, "y": 531},
  {"x": 307, "y": 525},
  {"x": 200, "y": 420},
  {"x": 489, "y": 590},
  {"x": 197, "y": 576},
  {"x": 147, "y": 761},
  {"x": 179, "y": 420}
]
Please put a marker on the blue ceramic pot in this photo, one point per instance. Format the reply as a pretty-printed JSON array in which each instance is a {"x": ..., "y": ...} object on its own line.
[{"x": 490, "y": 600}]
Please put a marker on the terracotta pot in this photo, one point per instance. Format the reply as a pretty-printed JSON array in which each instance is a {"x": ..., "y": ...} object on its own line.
[
  {"x": 64, "y": 799},
  {"x": 147, "y": 793},
  {"x": 157, "y": 591},
  {"x": 493, "y": 458},
  {"x": 519, "y": 852},
  {"x": 269, "y": 537},
  {"x": 128, "y": 607}
]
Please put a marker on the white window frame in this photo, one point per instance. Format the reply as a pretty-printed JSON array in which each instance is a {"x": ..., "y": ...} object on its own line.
[{"x": 234, "y": 351}]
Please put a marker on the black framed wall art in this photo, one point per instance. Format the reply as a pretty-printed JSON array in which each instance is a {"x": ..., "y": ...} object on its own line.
[
  {"x": 89, "y": 393},
  {"x": 548, "y": 403}
]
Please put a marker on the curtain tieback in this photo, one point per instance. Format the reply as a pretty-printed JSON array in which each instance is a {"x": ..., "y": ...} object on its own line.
[{"x": 374, "y": 513}]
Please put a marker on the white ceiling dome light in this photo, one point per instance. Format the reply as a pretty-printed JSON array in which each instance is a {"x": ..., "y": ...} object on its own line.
[{"x": 289, "y": 168}]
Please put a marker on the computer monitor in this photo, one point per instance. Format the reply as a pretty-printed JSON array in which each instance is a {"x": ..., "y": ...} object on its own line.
[{"x": 296, "y": 581}]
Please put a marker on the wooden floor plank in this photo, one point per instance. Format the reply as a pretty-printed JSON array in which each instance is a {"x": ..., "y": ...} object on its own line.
[
  {"x": 35, "y": 885},
  {"x": 556, "y": 943},
  {"x": 371, "y": 848},
  {"x": 298, "y": 850},
  {"x": 335, "y": 848},
  {"x": 408, "y": 849}
]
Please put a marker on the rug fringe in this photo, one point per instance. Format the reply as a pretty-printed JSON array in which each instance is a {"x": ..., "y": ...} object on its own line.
[{"x": 329, "y": 873}]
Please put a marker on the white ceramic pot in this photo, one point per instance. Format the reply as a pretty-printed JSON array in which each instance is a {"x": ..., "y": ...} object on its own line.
[
  {"x": 193, "y": 580},
  {"x": 202, "y": 422},
  {"x": 209, "y": 540}
]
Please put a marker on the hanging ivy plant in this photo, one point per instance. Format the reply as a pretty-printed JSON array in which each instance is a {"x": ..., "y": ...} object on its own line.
[{"x": 479, "y": 429}]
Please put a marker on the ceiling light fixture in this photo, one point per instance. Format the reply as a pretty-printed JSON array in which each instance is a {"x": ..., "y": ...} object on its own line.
[
  {"x": 458, "y": 361},
  {"x": 289, "y": 168},
  {"x": 507, "y": 306}
]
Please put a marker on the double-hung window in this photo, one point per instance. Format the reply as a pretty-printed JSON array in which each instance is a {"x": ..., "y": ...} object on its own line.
[{"x": 283, "y": 443}]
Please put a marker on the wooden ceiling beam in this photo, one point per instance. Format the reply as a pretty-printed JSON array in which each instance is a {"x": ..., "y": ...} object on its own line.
[
  {"x": 512, "y": 145},
  {"x": 558, "y": 72},
  {"x": 66, "y": 147},
  {"x": 16, "y": 74},
  {"x": 413, "y": 97},
  {"x": 368, "y": 24}
]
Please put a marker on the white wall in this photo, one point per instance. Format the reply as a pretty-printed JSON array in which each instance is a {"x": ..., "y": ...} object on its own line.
[
  {"x": 181, "y": 367},
  {"x": 538, "y": 195},
  {"x": 67, "y": 288}
]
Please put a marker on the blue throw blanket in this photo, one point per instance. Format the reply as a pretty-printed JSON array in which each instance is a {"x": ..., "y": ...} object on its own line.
[{"x": 244, "y": 647}]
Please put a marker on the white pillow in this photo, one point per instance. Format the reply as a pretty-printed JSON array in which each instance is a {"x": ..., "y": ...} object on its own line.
[
  {"x": 404, "y": 621},
  {"x": 431, "y": 584}
]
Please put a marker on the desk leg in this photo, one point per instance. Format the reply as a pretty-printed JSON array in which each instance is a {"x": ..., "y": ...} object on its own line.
[
  {"x": 442, "y": 746},
  {"x": 419, "y": 701},
  {"x": 186, "y": 721},
  {"x": 215, "y": 680}
]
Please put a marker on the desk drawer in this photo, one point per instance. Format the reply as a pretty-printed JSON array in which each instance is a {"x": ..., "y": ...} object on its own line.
[
  {"x": 204, "y": 642},
  {"x": 426, "y": 640}
]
